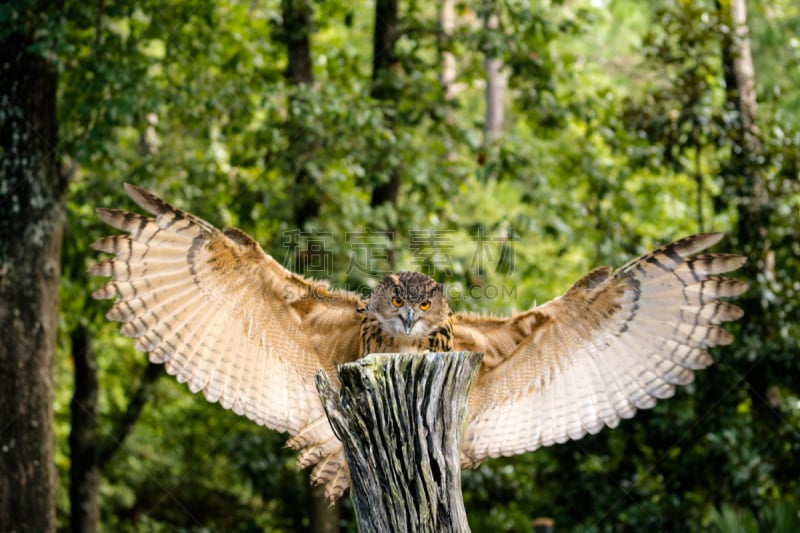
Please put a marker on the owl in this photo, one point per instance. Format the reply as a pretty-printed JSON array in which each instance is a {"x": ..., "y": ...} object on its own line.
[
  {"x": 406, "y": 312},
  {"x": 228, "y": 320}
]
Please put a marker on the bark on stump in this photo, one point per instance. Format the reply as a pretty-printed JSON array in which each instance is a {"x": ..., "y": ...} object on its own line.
[{"x": 400, "y": 418}]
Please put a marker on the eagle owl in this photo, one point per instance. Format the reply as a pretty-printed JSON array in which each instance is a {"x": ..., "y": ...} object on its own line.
[
  {"x": 407, "y": 312},
  {"x": 225, "y": 318}
]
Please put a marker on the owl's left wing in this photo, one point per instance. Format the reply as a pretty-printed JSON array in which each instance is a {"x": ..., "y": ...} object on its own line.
[
  {"x": 615, "y": 342},
  {"x": 228, "y": 320}
]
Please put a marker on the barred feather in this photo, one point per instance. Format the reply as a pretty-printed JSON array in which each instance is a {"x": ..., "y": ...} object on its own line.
[
  {"x": 614, "y": 343},
  {"x": 226, "y": 319}
]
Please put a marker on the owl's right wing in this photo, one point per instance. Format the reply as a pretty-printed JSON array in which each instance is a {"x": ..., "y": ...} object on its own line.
[
  {"x": 615, "y": 342},
  {"x": 228, "y": 320}
]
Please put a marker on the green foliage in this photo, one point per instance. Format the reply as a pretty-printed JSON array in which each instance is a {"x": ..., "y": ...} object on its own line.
[
  {"x": 778, "y": 519},
  {"x": 618, "y": 136}
]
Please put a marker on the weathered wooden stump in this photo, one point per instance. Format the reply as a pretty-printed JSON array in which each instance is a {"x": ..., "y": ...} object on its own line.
[{"x": 400, "y": 418}]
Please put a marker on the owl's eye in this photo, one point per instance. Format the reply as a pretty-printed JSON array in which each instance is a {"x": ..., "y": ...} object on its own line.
[
  {"x": 397, "y": 301},
  {"x": 425, "y": 305}
]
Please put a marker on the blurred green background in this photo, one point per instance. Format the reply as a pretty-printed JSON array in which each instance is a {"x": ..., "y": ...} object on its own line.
[{"x": 622, "y": 127}]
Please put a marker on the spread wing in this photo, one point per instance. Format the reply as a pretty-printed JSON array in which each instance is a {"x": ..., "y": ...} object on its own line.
[
  {"x": 225, "y": 318},
  {"x": 615, "y": 342}
]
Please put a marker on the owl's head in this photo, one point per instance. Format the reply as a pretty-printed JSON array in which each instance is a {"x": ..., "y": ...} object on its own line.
[{"x": 408, "y": 303}]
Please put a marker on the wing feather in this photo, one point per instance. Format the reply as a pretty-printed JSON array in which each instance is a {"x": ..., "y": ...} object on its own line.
[
  {"x": 615, "y": 342},
  {"x": 226, "y": 319},
  {"x": 602, "y": 394}
]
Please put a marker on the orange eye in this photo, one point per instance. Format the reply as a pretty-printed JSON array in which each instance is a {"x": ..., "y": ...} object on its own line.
[
  {"x": 397, "y": 301},
  {"x": 425, "y": 305}
]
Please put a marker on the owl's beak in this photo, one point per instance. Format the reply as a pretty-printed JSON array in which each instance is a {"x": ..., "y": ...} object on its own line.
[{"x": 408, "y": 321}]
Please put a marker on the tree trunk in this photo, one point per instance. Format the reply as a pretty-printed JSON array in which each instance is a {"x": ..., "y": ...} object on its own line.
[
  {"x": 31, "y": 227},
  {"x": 84, "y": 473},
  {"x": 297, "y": 24},
  {"x": 747, "y": 181},
  {"x": 447, "y": 76},
  {"x": 123, "y": 427},
  {"x": 384, "y": 86},
  {"x": 89, "y": 454},
  {"x": 295, "y": 31},
  {"x": 745, "y": 175},
  {"x": 741, "y": 94},
  {"x": 447, "y": 22},
  {"x": 384, "y": 55},
  {"x": 741, "y": 63},
  {"x": 495, "y": 80},
  {"x": 400, "y": 418}
]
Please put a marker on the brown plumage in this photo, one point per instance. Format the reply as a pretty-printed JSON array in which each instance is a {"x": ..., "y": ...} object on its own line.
[
  {"x": 407, "y": 312},
  {"x": 228, "y": 320}
]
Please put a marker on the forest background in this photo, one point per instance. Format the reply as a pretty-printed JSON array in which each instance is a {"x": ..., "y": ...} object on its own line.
[{"x": 505, "y": 147}]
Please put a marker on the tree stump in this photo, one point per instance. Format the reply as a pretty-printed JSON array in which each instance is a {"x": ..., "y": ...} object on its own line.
[{"x": 400, "y": 418}]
